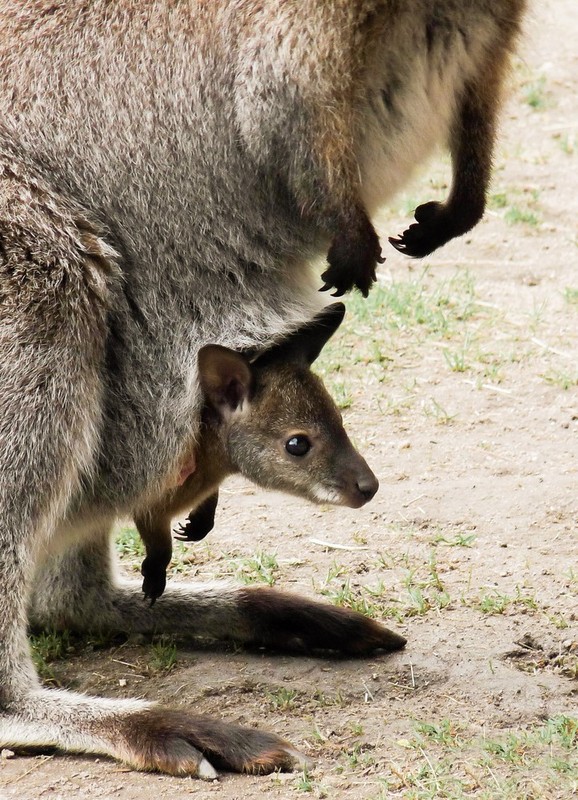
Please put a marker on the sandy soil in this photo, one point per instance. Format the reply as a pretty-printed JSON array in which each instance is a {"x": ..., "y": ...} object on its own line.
[{"x": 460, "y": 385}]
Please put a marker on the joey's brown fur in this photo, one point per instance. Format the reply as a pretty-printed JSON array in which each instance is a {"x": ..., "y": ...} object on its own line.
[
  {"x": 168, "y": 172},
  {"x": 253, "y": 412}
]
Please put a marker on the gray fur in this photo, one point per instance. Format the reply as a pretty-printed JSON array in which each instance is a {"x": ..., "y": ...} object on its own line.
[{"x": 168, "y": 171}]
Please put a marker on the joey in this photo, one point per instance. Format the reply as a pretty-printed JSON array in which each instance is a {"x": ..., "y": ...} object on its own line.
[{"x": 272, "y": 420}]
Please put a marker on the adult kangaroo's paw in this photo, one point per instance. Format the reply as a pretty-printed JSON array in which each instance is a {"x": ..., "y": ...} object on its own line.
[
  {"x": 353, "y": 256},
  {"x": 436, "y": 223},
  {"x": 177, "y": 743},
  {"x": 293, "y": 622}
]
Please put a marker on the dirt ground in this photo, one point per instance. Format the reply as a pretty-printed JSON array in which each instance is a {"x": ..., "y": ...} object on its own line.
[{"x": 459, "y": 383}]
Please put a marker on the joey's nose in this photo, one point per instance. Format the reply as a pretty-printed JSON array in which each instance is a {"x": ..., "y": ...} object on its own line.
[{"x": 367, "y": 486}]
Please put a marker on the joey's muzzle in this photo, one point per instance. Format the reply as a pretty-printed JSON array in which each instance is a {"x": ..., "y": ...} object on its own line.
[{"x": 360, "y": 484}]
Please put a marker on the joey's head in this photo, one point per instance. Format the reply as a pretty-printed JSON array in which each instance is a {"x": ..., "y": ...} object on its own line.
[{"x": 278, "y": 424}]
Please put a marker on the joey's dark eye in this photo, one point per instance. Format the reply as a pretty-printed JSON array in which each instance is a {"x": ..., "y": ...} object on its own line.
[{"x": 298, "y": 445}]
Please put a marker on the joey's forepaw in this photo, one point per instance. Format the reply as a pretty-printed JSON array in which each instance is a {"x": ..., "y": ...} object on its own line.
[
  {"x": 177, "y": 743},
  {"x": 353, "y": 257},
  {"x": 154, "y": 579},
  {"x": 188, "y": 533}
]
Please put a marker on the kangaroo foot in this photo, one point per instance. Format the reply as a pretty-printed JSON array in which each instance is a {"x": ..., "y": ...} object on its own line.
[
  {"x": 177, "y": 743},
  {"x": 291, "y": 622}
]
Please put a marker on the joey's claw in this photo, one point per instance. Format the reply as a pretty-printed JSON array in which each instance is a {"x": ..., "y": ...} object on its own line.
[
  {"x": 334, "y": 279},
  {"x": 186, "y": 533},
  {"x": 152, "y": 593},
  {"x": 154, "y": 579},
  {"x": 180, "y": 533}
]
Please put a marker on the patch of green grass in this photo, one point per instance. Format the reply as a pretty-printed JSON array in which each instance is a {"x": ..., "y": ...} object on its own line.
[
  {"x": 432, "y": 408},
  {"x": 458, "y": 540},
  {"x": 571, "y": 295},
  {"x": 562, "y": 730},
  {"x": 456, "y": 359},
  {"x": 496, "y": 603},
  {"x": 516, "y": 216},
  {"x": 512, "y": 748},
  {"x": 163, "y": 655},
  {"x": 260, "y": 568},
  {"x": 559, "y": 621},
  {"x": 46, "y": 647},
  {"x": 359, "y": 756},
  {"x": 414, "y": 304},
  {"x": 128, "y": 542},
  {"x": 341, "y": 394},
  {"x": 450, "y": 762},
  {"x": 424, "y": 589},
  {"x": 519, "y": 206},
  {"x": 444, "y": 732},
  {"x": 572, "y": 576},
  {"x": 282, "y": 699},
  {"x": 498, "y": 200},
  {"x": 341, "y": 593},
  {"x": 535, "y": 94},
  {"x": 373, "y": 601},
  {"x": 384, "y": 335},
  {"x": 304, "y": 782},
  {"x": 563, "y": 378},
  {"x": 566, "y": 143}
]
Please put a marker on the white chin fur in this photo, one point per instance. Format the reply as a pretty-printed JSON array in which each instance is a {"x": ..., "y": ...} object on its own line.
[{"x": 323, "y": 494}]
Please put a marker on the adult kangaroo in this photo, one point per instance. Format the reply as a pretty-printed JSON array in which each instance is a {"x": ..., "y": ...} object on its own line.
[{"x": 168, "y": 170}]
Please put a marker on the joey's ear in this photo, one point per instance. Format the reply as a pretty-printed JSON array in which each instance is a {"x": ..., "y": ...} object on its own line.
[
  {"x": 225, "y": 377},
  {"x": 305, "y": 344}
]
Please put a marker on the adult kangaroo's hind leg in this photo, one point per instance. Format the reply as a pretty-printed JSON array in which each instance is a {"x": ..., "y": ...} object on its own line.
[
  {"x": 53, "y": 338},
  {"x": 53, "y": 284},
  {"x": 53, "y": 304},
  {"x": 76, "y": 590}
]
